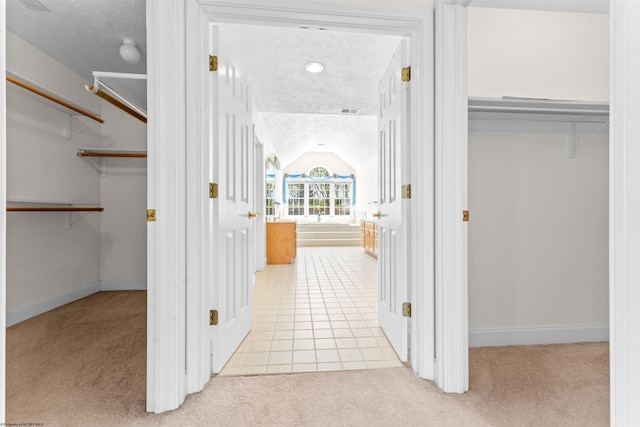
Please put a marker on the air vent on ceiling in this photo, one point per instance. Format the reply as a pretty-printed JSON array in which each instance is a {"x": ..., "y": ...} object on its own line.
[
  {"x": 349, "y": 111},
  {"x": 35, "y": 5}
]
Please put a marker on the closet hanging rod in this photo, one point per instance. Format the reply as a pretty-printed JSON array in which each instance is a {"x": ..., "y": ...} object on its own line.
[
  {"x": 52, "y": 209},
  {"x": 112, "y": 96},
  {"x": 52, "y": 98},
  {"x": 111, "y": 100},
  {"x": 99, "y": 153}
]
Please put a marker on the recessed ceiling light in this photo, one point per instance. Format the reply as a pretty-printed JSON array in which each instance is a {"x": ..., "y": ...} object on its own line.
[{"x": 314, "y": 67}]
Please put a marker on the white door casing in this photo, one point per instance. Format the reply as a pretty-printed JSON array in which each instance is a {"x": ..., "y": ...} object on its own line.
[
  {"x": 166, "y": 188},
  {"x": 451, "y": 148},
  {"x": 624, "y": 211},
  {"x": 231, "y": 138},
  {"x": 177, "y": 61},
  {"x": 393, "y": 143}
]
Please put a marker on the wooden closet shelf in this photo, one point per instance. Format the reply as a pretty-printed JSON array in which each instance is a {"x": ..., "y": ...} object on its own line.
[
  {"x": 109, "y": 153},
  {"x": 67, "y": 106},
  {"x": 54, "y": 209}
]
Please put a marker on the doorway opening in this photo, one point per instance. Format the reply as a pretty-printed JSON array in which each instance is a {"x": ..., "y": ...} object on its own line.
[{"x": 321, "y": 150}]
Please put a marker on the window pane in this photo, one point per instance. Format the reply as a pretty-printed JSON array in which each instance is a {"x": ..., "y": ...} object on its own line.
[
  {"x": 319, "y": 199},
  {"x": 269, "y": 198},
  {"x": 295, "y": 199},
  {"x": 342, "y": 196}
]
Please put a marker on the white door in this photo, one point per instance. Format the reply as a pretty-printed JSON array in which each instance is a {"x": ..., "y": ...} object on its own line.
[
  {"x": 393, "y": 144},
  {"x": 231, "y": 133}
]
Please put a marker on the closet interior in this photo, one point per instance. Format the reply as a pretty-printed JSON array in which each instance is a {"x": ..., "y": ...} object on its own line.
[
  {"x": 538, "y": 177},
  {"x": 76, "y": 184}
]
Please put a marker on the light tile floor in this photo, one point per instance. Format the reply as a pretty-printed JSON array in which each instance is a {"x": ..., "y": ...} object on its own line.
[{"x": 318, "y": 314}]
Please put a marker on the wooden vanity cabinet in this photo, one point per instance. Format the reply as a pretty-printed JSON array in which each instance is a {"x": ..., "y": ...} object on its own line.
[
  {"x": 369, "y": 232},
  {"x": 281, "y": 242}
]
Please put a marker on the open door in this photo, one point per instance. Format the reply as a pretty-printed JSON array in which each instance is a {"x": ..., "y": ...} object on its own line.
[
  {"x": 393, "y": 155},
  {"x": 231, "y": 136}
]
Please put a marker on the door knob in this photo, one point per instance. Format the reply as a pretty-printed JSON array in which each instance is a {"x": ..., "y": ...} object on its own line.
[
  {"x": 377, "y": 215},
  {"x": 252, "y": 214}
]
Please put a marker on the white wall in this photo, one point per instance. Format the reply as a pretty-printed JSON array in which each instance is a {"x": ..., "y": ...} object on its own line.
[
  {"x": 43, "y": 259},
  {"x": 123, "y": 236},
  {"x": 263, "y": 133},
  {"x": 538, "y": 235},
  {"x": 536, "y": 54},
  {"x": 367, "y": 188}
]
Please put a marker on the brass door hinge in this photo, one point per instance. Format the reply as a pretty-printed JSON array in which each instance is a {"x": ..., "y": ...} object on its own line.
[
  {"x": 406, "y": 191},
  {"x": 213, "y": 63},
  {"x": 151, "y": 215},
  {"x": 465, "y": 216},
  {"x": 406, "y": 74},
  {"x": 213, "y": 317},
  {"x": 406, "y": 309},
  {"x": 213, "y": 190}
]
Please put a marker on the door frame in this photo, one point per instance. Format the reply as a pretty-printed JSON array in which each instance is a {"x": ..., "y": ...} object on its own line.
[
  {"x": 3, "y": 210},
  {"x": 177, "y": 317},
  {"x": 451, "y": 145},
  {"x": 624, "y": 186}
]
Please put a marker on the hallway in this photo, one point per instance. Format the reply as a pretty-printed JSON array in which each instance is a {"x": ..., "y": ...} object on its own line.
[{"x": 317, "y": 314}]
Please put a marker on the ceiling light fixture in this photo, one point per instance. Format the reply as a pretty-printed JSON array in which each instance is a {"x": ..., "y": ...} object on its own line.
[
  {"x": 129, "y": 52},
  {"x": 314, "y": 67}
]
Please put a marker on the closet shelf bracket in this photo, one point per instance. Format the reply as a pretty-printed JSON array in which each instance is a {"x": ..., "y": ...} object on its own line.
[
  {"x": 68, "y": 131},
  {"x": 572, "y": 145}
]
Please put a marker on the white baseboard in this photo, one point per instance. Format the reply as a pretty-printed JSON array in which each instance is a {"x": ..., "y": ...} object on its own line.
[
  {"x": 23, "y": 313},
  {"x": 543, "y": 335},
  {"x": 123, "y": 286}
]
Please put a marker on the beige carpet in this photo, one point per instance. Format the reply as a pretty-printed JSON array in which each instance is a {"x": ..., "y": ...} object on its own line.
[{"x": 84, "y": 364}]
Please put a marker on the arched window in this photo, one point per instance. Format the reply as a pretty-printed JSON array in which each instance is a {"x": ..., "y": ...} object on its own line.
[{"x": 319, "y": 172}]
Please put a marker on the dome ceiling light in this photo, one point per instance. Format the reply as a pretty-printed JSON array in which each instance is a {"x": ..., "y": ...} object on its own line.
[
  {"x": 129, "y": 52},
  {"x": 314, "y": 67}
]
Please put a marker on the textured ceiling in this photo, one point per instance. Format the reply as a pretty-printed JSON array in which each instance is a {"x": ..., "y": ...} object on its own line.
[
  {"x": 301, "y": 109},
  {"x": 84, "y": 35},
  {"x": 276, "y": 59}
]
